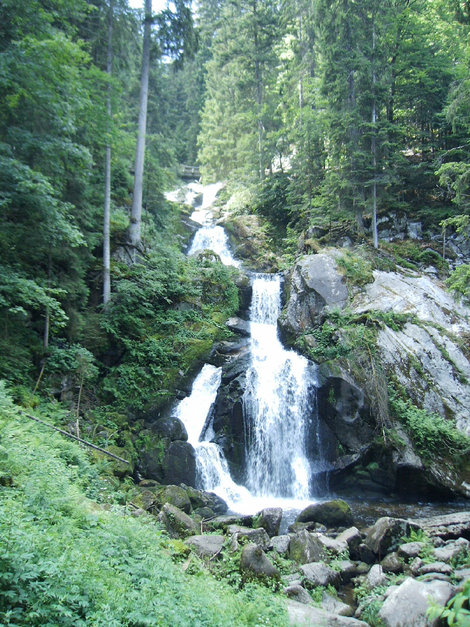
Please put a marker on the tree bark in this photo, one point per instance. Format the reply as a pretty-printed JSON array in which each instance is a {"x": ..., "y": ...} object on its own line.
[
  {"x": 375, "y": 234},
  {"x": 136, "y": 213},
  {"x": 107, "y": 171}
]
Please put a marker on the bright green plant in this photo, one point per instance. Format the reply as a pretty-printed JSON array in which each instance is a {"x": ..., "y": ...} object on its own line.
[{"x": 457, "y": 610}]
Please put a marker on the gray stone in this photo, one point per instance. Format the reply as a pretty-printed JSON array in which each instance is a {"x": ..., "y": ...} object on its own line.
[
  {"x": 335, "y": 606},
  {"x": 255, "y": 565},
  {"x": 206, "y": 545},
  {"x": 319, "y": 574},
  {"x": 365, "y": 554},
  {"x": 436, "y": 567},
  {"x": 353, "y": 539},
  {"x": 391, "y": 563},
  {"x": 270, "y": 519},
  {"x": 333, "y": 545},
  {"x": 224, "y": 521},
  {"x": 386, "y": 534},
  {"x": 451, "y": 550},
  {"x": 177, "y": 496},
  {"x": 298, "y": 593},
  {"x": 462, "y": 574},
  {"x": 336, "y": 513},
  {"x": 200, "y": 499},
  {"x": 280, "y": 544},
  {"x": 416, "y": 565},
  {"x": 376, "y": 576},
  {"x": 177, "y": 523},
  {"x": 347, "y": 570},
  {"x": 408, "y": 604},
  {"x": 302, "y": 615},
  {"x": 256, "y": 536},
  {"x": 304, "y": 547},
  {"x": 410, "y": 549},
  {"x": 313, "y": 284},
  {"x": 239, "y": 326}
]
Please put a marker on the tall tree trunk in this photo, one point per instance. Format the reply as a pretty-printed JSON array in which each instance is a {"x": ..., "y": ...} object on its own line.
[
  {"x": 107, "y": 171},
  {"x": 259, "y": 93},
  {"x": 136, "y": 213},
  {"x": 375, "y": 234}
]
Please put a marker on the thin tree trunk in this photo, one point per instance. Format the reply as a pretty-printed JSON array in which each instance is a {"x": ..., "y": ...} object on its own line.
[
  {"x": 136, "y": 213},
  {"x": 375, "y": 234},
  {"x": 107, "y": 173}
]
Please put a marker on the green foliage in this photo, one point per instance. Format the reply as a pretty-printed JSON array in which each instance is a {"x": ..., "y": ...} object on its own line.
[
  {"x": 357, "y": 268},
  {"x": 457, "y": 610},
  {"x": 459, "y": 281},
  {"x": 431, "y": 434},
  {"x": 66, "y": 560}
]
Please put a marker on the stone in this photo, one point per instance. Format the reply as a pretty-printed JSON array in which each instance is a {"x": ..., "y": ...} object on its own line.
[
  {"x": 255, "y": 565},
  {"x": 391, "y": 563},
  {"x": 436, "y": 567},
  {"x": 280, "y": 544},
  {"x": 376, "y": 576},
  {"x": 200, "y": 499},
  {"x": 462, "y": 574},
  {"x": 177, "y": 523},
  {"x": 333, "y": 545},
  {"x": 304, "y": 547},
  {"x": 410, "y": 549},
  {"x": 270, "y": 519},
  {"x": 319, "y": 574},
  {"x": 335, "y": 606},
  {"x": 386, "y": 534},
  {"x": 302, "y": 615},
  {"x": 179, "y": 464},
  {"x": 365, "y": 554},
  {"x": 206, "y": 546},
  {"x": 313, "y": 284},
  {"x": 239, "y": 326},
  {"x": 170, "y": 428},
  {"x": 451, "y": 550},
  {"x": 347, "y": 570},
  {"x": 255, "y": 536},
  {"x": 177, "y": 496},
  {"x": 415, "y": 566},
  {"x": 298, "y": 593},
  {"x": 407, "y": 605},
  {"x": 352, "y": 537},
  {"x": 449, "y": 526},
  {"x": 336, "y": 513}
]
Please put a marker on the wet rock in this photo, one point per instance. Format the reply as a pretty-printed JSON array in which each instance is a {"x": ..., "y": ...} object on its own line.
[
  {"x": 408, "y": 604},
  {"x": 177, "y": 523},
  {"x": 280, "y": 544},
  {"x": 305, "y": 547},
  {"x": 319, "y": 574},
  {"x": 170, "y": 428},
  {"x": 353, "y": 538},
  {"x": 255, "y": 536},
  {"x": 302, "y": 615},
  {"x": 313, "y": 284},
  {"x": 201, "y": 499},
  {"x": 206, "y": 546},
  {"x": 335, "y": 606},
  {"x": 410, "y": 549},
  {"x": 335, "y": 513},
  {"x": 436, "y": 567},
  {"x": 179, "y": 464},
  {"x": 270, "y": 519},
  {"x": 391, "y": 563},
  {"x": 255, "y": 565},
  {"x": 239, "y": 326},
  {"x": 376, "y": 576},
  {"x": 298, "y": 593},
  {"x": 386, "y": 534}
]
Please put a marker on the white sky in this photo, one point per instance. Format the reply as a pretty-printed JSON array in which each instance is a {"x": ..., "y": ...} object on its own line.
[{"x": 157, "y": 5}]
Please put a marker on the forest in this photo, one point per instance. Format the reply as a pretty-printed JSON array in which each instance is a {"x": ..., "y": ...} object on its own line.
[{"x": 329, "y": 123}]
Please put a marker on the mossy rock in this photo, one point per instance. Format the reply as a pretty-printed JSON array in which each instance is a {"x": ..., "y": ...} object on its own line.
[
  {"x": 336, "y": 513},
  {"x": 177, "y": 496},
  {"x": 120, "y": 469}
]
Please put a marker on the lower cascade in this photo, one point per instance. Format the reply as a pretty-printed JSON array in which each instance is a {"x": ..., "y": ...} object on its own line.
[{"x": 283, "y": 449}]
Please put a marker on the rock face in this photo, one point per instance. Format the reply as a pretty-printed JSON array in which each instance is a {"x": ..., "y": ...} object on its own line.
[
  {"x": 179, "y": 464},
  {"x": 314, "y": 284},
  {"x": 407, "y": 605}
]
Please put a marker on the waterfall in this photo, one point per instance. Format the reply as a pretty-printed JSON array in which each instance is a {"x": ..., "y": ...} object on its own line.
[
  {"x": 277, "y": 403},
  {"x": 279, "y": 400}
]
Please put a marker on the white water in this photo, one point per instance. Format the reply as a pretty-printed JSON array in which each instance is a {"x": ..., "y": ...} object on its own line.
[{"x": 277, "y": 402}]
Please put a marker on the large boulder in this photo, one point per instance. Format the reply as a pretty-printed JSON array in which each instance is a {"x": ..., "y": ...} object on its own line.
[
  {"x": 255, "y": 565},
  {"x": 305, "y": 547},
  {"x": 319, "y": 574},
  {"x": 270, "y": 519},
  {"x": 336, "y": 513},
  {"x": 177, "y": 523},
  {"x": 408, "y": 604},
  {"x": 314, "y": 283},
  {"x": 179, "y": 464},
  {"x": 302, "y": 615},
  {"x": 254, "y": 536},
  {"x": 206, "y": 546},
  {"x": 387, "y": 533}
]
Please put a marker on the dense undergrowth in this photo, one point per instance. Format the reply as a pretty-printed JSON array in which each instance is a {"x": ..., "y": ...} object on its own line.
[{"x": 72, "y": 555}]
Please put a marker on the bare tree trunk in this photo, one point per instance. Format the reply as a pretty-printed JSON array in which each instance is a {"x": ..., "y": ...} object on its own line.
[
  {"x": 107, "y": 172},
  {"x": 136, "y": 213},
  {"x": 375, "y": 234}
]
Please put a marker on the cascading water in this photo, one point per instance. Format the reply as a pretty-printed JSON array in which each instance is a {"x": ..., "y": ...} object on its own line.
[{"x": 277, "y": 402}]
